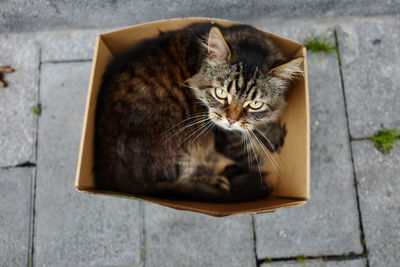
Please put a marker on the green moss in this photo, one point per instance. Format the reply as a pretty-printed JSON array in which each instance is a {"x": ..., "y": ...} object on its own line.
[
  {"x": 319, "y": 43},
  {"x": 301, "y": 259},
  {"x": 143, "y": 254},
  {"x": 37, "y": 110},
  {"x": 268, "y": 260},
  {"x": 385, "y": 139}
]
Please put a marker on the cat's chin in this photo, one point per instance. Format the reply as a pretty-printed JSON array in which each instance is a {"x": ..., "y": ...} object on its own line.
[{"x": 229, "y": 127}]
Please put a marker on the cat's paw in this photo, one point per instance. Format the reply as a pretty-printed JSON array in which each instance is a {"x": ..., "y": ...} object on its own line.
[
  {"x": 249, "y": 186},
  {"x": 220, "y": 182}
]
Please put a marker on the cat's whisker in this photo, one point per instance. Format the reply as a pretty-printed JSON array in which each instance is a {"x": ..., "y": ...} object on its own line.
[
  {"x": 255, "y": 155},
  {"x": 199, "y": 119},
  {"x": 263, "y": 135},
  {"x": 266, "y": 151},
  {"x": 246, "y": 147},
  {"x": 185, "y": 127},
  {"x": 210, "y": 124},
  {"x": 248, "y": 151},
  {"x": 273, "y": 162},
  {"x": 200, "y": 131},
  {"x": 197, "y": 115},
  {"x": 196, "y": 131},
  {"x": 188, "y": 86}
]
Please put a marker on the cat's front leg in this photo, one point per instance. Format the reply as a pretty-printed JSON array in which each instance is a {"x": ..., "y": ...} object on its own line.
[
  {"x": 215, "y": 188},
  {"x": 209, "y": 188}
]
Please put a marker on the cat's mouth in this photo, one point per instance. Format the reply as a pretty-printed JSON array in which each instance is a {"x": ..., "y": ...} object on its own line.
[{"x": 229, "y": 124}]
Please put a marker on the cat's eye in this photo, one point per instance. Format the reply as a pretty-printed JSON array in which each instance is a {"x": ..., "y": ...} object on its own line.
[
  {"x": 221, "y": 93},
  {"x": 256, "y": 105}
]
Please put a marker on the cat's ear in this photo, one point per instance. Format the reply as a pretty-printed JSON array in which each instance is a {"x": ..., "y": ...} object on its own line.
[
  {"x": 218, "y": 49},
  {"x": 288, "y": 69}
]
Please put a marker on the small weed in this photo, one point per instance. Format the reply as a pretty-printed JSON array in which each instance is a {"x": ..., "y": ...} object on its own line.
[
  {"x": 268, "y": 260},
  {"x": 319, "y": 43},
  {"x": 385, "y": 139},
  {"x": 301, "y": 259},
  {"x": 37, "y": 110},
  {"x": 143, "y": 254}
]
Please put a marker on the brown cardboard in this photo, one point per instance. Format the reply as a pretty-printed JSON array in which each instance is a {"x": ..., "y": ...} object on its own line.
[{"x": 292, "y": 185}]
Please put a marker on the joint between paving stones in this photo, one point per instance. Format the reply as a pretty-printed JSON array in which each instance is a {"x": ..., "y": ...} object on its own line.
[
  {"x": 33, "y": 181},
  {"x": 360, "y": 139},
  {"x": 26, "y": 164},
  {"x": 362, "y": 234},
  {"x": 143, "y": 235},
  {"x": 326, "y": 258},
  {"x": 253, "y": 227},
  {"x": 65, "y": 61}
]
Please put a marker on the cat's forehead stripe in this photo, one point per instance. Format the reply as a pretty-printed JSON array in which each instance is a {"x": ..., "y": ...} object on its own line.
[
  {"x": 237, "y": 67},
  {"x": 233, "y": 87},
  {"x": 229, "y": 86},
  {"x": 251, "y": 92}
]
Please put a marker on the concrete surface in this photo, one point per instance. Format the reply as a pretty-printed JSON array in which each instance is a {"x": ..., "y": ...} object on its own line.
[
  {"x": 26, "y": 15},
  {"x": 57, "y": 226},
  {"x": 379, "y": 193},
  {"x": 17, "y": 122},
  {"x": 71, "y": 228},
  {"x": 371, "y": 63},
  {"x": 15, "y": 216},
  {"x": 197, "y": 239},
  {"x": 68, "y": 45},
  {"x": 317, "y": 263}
]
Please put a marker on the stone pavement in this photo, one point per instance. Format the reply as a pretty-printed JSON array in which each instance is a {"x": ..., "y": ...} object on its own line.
[
  {"x": 351, "y": 219},
  {"x": 28, "y": 15}
]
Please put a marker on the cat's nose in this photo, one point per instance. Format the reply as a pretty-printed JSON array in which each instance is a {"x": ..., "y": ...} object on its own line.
[{"x": 232, "y": 120}]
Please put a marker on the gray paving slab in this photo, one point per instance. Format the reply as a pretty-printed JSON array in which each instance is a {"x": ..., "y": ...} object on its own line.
[
  {"x": 328, "y": 224},
  {"x": 370, "y": 57},
  {"x": 297, "y": 30},
  {"x": 379, "y": 193},
  {"x": 73, "y": 228},
  {"x": 17, "y": 123},
  {"x": 68, "y": 45},
  {"x": 318, "y": 263},
  {"x": 180, "y": 238},
  {"x": 15, "y": 191}
]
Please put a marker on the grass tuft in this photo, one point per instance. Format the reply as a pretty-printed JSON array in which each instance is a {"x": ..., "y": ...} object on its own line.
[
  {"x": 319, "y": 43},
  {"x": 385, "y": 139},
  {"x": 37, "y": 110},
  {"x": 301, "y": 259},
  {"x": 268, "y": 260}
]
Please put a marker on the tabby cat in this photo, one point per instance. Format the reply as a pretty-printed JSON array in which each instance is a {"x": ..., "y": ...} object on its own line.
[{"x": 172, "y": 105}]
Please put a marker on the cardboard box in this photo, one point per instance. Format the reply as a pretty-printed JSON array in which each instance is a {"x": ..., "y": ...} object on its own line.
[{"x": 292, "y": 186}]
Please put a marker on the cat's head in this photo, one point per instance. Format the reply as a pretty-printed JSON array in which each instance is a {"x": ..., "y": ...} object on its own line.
[{"x": 243, "y": 79}]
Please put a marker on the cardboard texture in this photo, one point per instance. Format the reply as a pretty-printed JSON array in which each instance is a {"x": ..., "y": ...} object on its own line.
[{"x": 289, "y": 171}]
